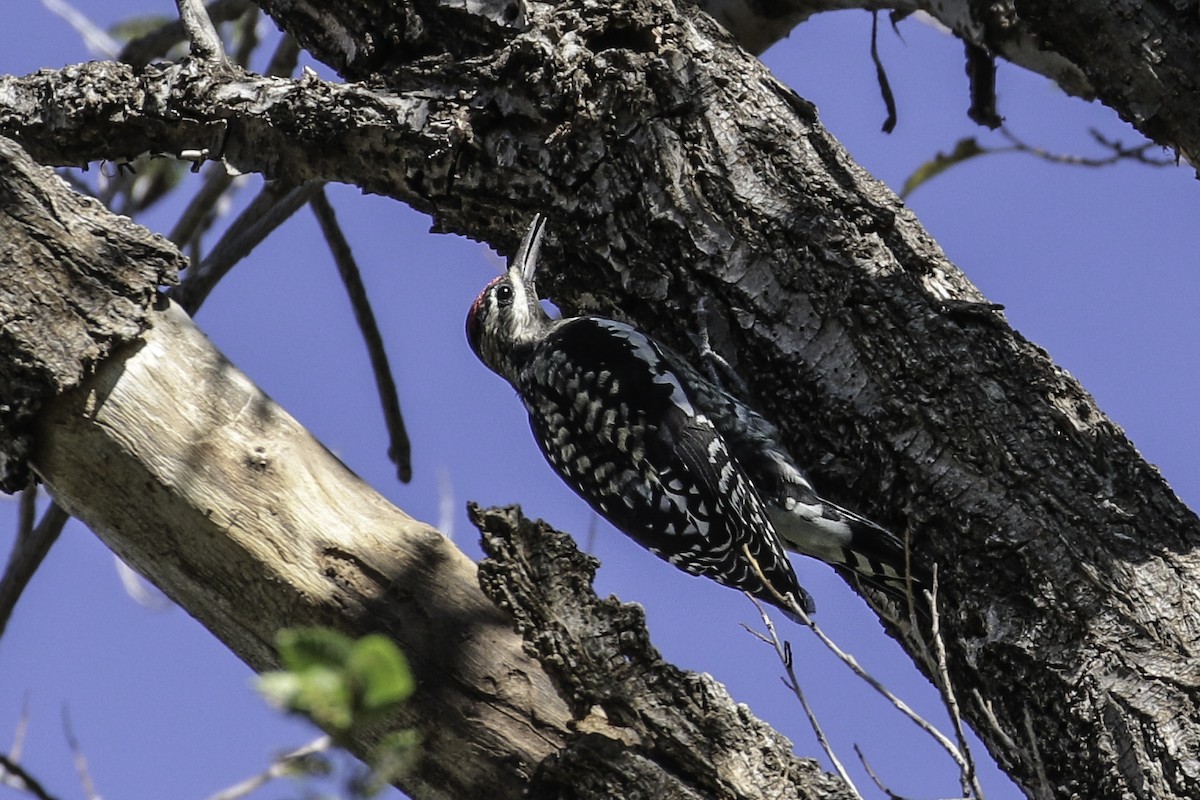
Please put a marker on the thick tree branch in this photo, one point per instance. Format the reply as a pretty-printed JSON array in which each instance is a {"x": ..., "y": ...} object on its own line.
[
  {"x": 1139, "y": 59},
  {"x": 678, "y": 168},
  {"x": 196, "y": 479},
  {"x": 601, "y": 658},
  {"x": 83, "y": 311}
]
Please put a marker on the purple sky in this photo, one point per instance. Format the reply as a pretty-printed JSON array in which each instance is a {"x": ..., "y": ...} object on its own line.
[{"x": 1096, "y": 265}]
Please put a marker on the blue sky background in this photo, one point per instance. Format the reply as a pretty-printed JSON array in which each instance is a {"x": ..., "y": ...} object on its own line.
[{"x": 1096, "y": 265}]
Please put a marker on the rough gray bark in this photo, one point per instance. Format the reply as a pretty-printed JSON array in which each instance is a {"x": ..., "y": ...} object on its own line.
[
  {"x": 83, "y": 310},
  {"x": 601, "y": 658},
  {"x": 681, "y": 169},
  {"x": 195, "y": 478},
  {"x": 1142, "y": 59}
]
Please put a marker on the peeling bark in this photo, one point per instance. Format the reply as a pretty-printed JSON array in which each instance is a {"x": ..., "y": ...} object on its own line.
[{"x": 56, "y": 294}]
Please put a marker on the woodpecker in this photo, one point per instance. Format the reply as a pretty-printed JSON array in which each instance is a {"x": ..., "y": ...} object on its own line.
[{"x": 676, "y": 462}]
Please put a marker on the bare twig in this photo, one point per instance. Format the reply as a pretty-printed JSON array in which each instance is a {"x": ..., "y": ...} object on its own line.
[
  {"x": 871, "y": 681},
  {"x": 282, "y": 766},
  {"x": 447, "y": 508},
  {"x": 968, "y": 777},
  {"x": 909, "y": 589},
  {"x": 589, "y": 540},
  {"x": 1118, "y": 152},
  {"x": 199, "y": 215},
  {"x": 18, "y": 744},
  {"x": 799, "y": 614},
  {"x": 27, "y": 511},
  {"x": 990, "y": 715},
  {"x": 879, "y": 784},
  {"x": 157, "y": 43},
  {"x": 284, "y": 59},
  {"x": 246, "y": 37},
  {"x": 12, "y": 774},
  {"x": 266, "y": 212},
  {"x": 95, "y": 38},
  {"x": 28, "y": 551},
  {"x": 399, "y": 448},
  {"x": 206, "y": 42},
  {"x": 784, "y": 652},
  {"x": 885, "y": 86},
  {"x": 81, "y": 765},
  {"x": 1038, "y": 765},
  {"x": 969, "y": 148}
]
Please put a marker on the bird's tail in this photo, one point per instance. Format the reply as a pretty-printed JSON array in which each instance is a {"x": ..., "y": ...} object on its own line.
[{"x": 857, "y": 548}]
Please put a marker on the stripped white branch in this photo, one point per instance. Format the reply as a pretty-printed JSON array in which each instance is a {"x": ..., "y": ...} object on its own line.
[{"x": 206, "y": 42}]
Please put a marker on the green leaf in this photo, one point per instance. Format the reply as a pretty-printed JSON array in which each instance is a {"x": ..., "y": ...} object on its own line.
[
  {"x": 305, "y": 648},
  {"x": 337, "y": 681},
  {"x": 380, "y": 672},
  {"x": 964, "y": 150}
]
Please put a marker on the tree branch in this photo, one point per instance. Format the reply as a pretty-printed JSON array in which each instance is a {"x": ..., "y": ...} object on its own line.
[
  {"x": 682, "y": 169},
  {"x": 600, "y": 657},
  {"x": 201, "y": 483}
]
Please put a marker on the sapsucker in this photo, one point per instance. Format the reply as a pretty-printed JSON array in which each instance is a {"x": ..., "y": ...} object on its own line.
[{"x": 676, "y": 462}]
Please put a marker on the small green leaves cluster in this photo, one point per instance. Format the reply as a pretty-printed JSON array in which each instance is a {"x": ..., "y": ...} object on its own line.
[{"x": 343, "y": 684}]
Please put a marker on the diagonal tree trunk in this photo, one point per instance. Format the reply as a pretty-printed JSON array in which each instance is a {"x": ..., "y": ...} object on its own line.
[{"x": 683, "y": 170}]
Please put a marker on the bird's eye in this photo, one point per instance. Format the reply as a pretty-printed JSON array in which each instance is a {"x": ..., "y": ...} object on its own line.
[{"x": 504, "y": 293}]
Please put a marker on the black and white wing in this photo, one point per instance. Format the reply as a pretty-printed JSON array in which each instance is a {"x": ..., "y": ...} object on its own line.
[{"x": 614, "y": 419}]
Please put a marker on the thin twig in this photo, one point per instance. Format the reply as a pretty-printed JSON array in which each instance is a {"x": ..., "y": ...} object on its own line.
[
  {"x": 968, "y": 777},
  {"x": 247, "y": 42},
  {"x": 28, "y": 551},
  {"x": 198, "y": 215},
  {"x": 157, "y": 43},
  {"x": 1009, "y": 744},
  {"x": 900, "y": 705},
  {"x": 27, "y": 511},
  {"x": 800, "y": 615},
  {"x": 18, "y": 744},
  {"x": 81, "y": 765},
  {"x": 284, "y": 59},
  {"x": 206, "y": 42},
  {"x": 267, "y": 211},
  {"x": 879, "y": 784},
  {"x": 1119, "y": 152},
  {"x": 909, "y": 590},
  {"x": 784, "y": 652},
  {"x": 280, "y": 767},
  {"x": 1038, "y": 765},
  {"x": 95, "y": 38},
  {"x": 447, "y": 508},
  {"x": 10, "y": 768},
  {"x": 399, "y": 447},
  {"x": 885, "y": 86}
]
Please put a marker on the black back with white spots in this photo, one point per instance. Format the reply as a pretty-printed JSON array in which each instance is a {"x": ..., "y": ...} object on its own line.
[
  {"x": 669, "y": 457},
  {"x": 614, "y": 420}
]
